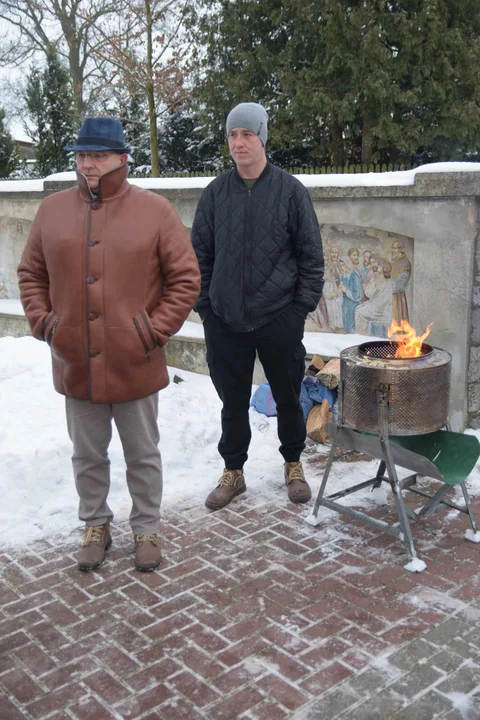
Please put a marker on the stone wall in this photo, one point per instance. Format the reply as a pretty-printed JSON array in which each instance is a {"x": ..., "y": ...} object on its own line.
[
  {"x": 474, "y": 360},
  {"x": 438, "y": 216}
]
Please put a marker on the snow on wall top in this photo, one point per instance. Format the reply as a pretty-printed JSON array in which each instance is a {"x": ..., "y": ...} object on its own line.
[{"x": 371, "y": 179}]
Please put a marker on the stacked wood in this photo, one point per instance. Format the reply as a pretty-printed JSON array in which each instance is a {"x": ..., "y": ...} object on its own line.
[
  {"x": 316, "y": 364},
  {"x": 329, "y": 374},
  {"x": 318, "y": 418}
]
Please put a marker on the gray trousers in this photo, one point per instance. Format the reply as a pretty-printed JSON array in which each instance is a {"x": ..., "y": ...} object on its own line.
[{"x": 90, "y": 430}]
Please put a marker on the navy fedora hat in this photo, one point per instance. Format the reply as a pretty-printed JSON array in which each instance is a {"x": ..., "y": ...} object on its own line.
[{"x": 100, "y": 133}]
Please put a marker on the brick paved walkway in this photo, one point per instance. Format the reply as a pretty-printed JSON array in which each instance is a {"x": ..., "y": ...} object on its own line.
[{"x": 253, "y": 615}]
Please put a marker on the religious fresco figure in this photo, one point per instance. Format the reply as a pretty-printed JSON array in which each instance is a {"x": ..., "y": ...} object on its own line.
[
  {"x": 401, "y": 271},
  {"x": 320, "y": 314},
  {"x": 354, "y": 255},
  {"x": 375, "y": 315},
  {"x": 352, "y": 289},
  {"x": 367, "y": 280},
  {"x": 3, "y": 291},
  {"x": 335, "y": 263},
  {"x": 366, "y": 265},
  {"x": 327, "y": 316},
  {"x": 333, "y": 297}
]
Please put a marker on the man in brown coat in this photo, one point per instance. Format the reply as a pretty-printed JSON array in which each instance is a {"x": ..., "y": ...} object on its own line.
[{"x": 107, "y": 275}]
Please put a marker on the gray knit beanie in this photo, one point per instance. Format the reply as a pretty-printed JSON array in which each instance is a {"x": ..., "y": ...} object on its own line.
[{"x": 250, "y": 116}]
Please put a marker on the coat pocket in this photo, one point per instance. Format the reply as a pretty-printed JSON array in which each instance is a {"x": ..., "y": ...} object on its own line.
[
  {"x": 148, "y": 324},
  {"x": 51, "y": 332},
  {"x": 142, "y": 338},
  {"x": 48, "y": 320}
]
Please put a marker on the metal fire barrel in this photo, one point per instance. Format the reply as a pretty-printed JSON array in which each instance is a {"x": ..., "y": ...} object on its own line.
[{"x": 418, "y": 389}]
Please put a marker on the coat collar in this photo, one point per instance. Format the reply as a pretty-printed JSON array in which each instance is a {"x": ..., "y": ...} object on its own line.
[
  {"x": 111, "y": 185},
  {"x": 266, "y": 171}
]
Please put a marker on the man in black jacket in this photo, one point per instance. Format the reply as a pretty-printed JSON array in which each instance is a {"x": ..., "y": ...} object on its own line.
[{"x": 258, "y": 245}]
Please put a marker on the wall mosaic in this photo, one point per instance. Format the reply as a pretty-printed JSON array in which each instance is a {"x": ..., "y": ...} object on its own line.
[
  {"x": 367, "y": 281},
  {"x": 13, "y": 236}
]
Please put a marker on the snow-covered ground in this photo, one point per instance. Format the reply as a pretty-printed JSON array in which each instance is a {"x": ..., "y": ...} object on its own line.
[{"x": 38, "y": 497}]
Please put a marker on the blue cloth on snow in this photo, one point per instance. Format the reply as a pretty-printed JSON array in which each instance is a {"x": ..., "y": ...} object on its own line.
[
  {"x": 263, "y": 402},
  {"x": 313, "y": 391}
]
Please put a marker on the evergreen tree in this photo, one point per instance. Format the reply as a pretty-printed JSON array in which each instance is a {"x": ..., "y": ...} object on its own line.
[
  {"x": 9, "y": 155},
  {"x": 134, "y": 117},
  {"x": 131, "y": 110},
  {"x": 349, "y": 80},
  {"x": 50, "y": 109},
  {"x": 187, "y": 145}
]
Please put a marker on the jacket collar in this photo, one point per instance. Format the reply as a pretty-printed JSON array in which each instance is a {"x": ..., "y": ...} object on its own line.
[
  {"x": 266, "y": 171},
  {"x": 111, "y": 185}
]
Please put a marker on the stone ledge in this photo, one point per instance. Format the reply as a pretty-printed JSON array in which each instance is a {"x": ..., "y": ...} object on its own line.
[
  {"x": 426, "y": 185},
  {"x": 182, "y": 352},
  {"x": 13, "y": 326}
]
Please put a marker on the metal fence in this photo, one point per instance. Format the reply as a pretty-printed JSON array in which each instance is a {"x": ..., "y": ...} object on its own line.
[
  {"x": 303, "y": 170},
  {"x": 310, "y": 170}
]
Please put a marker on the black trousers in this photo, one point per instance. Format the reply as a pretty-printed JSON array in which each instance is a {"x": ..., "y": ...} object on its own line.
[{"x": 231, "y": 358}]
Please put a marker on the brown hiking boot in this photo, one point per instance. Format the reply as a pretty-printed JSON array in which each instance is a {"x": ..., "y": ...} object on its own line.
[
  {"x": 148, "y": 555},
  {"x": 231, "y": 483},
  {"x": 96, "y": 541},
  {"x": 298, "y": 488}
]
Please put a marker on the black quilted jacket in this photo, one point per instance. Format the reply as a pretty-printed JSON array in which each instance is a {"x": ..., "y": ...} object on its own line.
[{"x": 259, "y": 250}]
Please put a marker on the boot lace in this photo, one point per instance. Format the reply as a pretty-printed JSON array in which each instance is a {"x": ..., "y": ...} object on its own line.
[
  {"x": 295, "y": 472},
  {"x": 94, "y": 534},
  {"x": 146, "y": 538},
  {"x": 228, "y": 478}
]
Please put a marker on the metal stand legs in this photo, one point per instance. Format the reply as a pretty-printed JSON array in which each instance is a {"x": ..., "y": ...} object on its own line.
[
  {"x": 382, "y": 405},
  {"x": 389, "y": 454}
]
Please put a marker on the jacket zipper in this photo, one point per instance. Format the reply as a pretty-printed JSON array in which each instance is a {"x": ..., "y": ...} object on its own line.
[
  {"x": 150, "y": 331},
  {"x": 142, "y": 338},
  {"x": 248, "y": 259},
  {"x": 44, "y": 325},
  {"x": 52, "y": 331}
]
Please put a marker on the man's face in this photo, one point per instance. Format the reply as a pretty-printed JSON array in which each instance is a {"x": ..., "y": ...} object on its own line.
[
  {"x": 395, "y": 250},
  {"x": 355, "y": 257},
  {"x": 334, "y": 254},
  {"x": 246, "y": 148},
  {"x": 366, "y": 257},
  {"x": 95, "y": 164},
  {"x": 375, "y": 265}
]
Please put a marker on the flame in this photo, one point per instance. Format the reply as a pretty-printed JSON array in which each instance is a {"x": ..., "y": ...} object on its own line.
[{"x": 410, "y": 344}]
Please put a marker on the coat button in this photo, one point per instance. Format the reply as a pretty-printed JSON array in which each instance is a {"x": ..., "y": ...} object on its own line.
[
  {"x": 91, "y": 243},
  {"x": 91, "y": 280},
  {"x": 96, "y": 204},
  {"x": 93, "y": 316},
  {"x": 94, "y": 353}
]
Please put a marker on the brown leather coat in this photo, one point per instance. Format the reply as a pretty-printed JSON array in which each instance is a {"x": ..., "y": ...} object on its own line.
[{"x": 105, "y": 282}]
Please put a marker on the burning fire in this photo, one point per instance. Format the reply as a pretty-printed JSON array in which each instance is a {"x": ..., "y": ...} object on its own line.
[{"x": 410, "y": 344}]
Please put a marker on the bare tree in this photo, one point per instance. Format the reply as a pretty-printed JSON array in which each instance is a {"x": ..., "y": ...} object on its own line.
[
  {"x": 149, "y": 56},
  {"x": 63, "y": 25}
]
